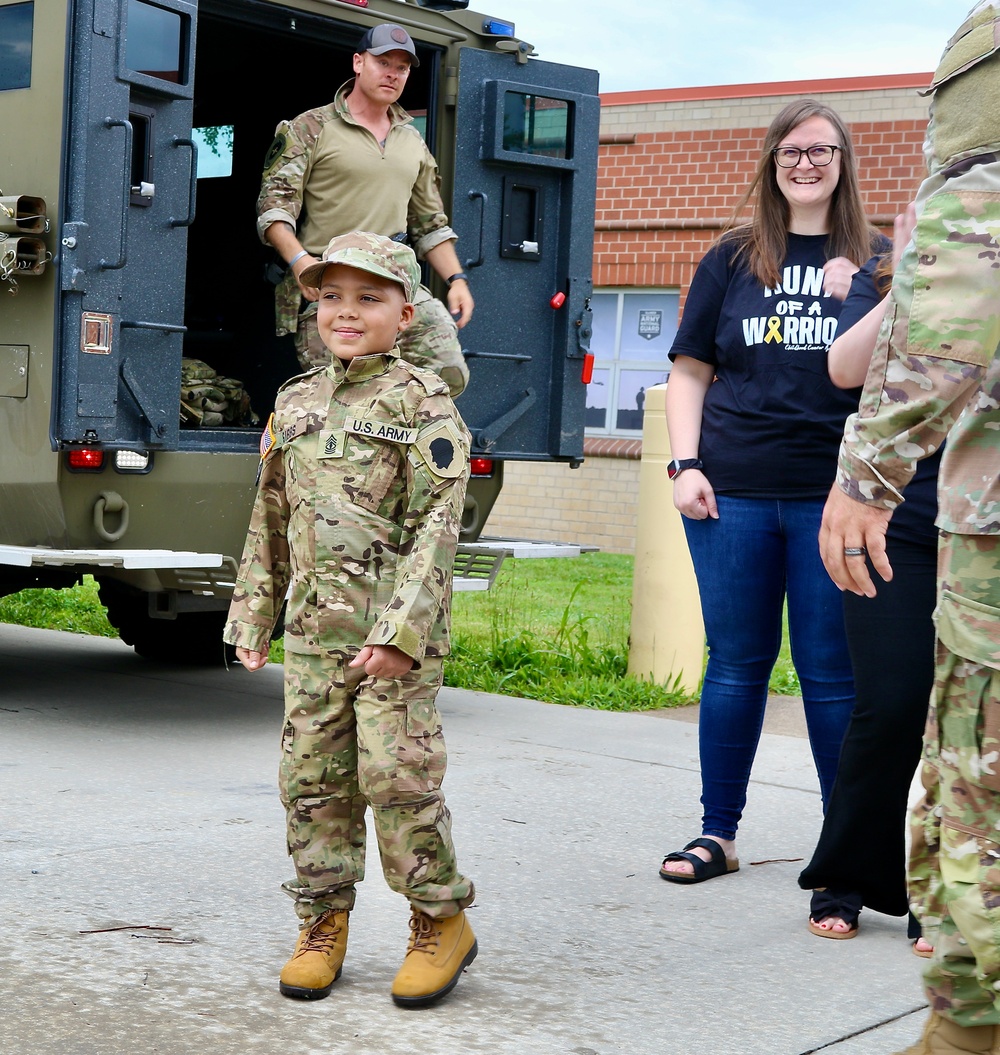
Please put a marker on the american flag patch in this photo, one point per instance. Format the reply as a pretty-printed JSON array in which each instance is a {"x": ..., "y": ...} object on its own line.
[{"x": 267, "y": 438}]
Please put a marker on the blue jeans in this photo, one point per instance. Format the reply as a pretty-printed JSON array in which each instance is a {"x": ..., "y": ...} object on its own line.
[{"x": 759, "y": 551}]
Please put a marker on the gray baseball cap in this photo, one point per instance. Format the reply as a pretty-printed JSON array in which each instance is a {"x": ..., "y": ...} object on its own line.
[
  {"x": 388, "y": 37},
  {"x": 368, "y": 252}
]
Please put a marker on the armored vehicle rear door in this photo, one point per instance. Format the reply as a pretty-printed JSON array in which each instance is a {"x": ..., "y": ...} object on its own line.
[
  {"x": 525, "y": 186},
  {"x": 130, "y": 197}
]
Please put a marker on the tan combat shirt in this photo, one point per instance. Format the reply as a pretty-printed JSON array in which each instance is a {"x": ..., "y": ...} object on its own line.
[{"x": 326, "y": 175}]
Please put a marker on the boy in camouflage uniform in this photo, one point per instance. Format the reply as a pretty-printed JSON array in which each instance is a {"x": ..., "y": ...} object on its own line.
[
  {"x": 364, "y": 468},
  {"x": 936, "y": 374},
  {"x": 360, "y": 164}
]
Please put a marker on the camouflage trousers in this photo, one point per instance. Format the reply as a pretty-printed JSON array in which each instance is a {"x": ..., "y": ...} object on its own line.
[
  {"x": 351, "y": 741},
  {"x": 431, "y": 341},
  {"x": 954, "y": 878}
]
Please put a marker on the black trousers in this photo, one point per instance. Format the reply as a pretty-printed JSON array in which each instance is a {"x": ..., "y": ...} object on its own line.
[{"x": 891, "y": 638}]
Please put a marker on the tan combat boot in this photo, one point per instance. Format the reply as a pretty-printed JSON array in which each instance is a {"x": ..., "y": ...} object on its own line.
[
  {"x": 943, "y": 1037},
  {"x": 439, "y": 950},
  {"x": 318, "y": 958}
]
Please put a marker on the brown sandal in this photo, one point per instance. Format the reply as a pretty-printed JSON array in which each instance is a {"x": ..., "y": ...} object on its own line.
[{"x": 831, "y": 904}]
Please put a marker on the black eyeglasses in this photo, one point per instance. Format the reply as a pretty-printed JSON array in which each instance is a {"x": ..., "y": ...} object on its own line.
[{"x": 819, "y": 155}]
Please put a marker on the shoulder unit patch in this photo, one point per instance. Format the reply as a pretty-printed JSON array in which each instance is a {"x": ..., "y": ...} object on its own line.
[{"x": 440, "y": 446}]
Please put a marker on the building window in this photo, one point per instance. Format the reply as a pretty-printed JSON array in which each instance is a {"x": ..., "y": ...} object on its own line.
[{"x": 633, "y": 331}]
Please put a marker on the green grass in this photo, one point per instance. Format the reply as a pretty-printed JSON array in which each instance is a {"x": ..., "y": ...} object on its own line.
[
  {"x": 558, "y": 630},
  {"x": 77, "y": 609},
  {"x": 553, "y": 629}
]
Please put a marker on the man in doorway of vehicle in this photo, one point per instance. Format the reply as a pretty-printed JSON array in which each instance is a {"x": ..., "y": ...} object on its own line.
[{"x": 359, "y": 163}]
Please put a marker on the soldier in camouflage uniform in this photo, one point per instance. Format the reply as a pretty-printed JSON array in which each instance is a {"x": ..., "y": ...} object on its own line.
[
  {"x": 936, "y": 374},
  {"x": 364, "y": 469},
  {"x": 359, "y": 164}
]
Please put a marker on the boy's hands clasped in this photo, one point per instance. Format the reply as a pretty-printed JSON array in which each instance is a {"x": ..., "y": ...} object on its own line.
[
  {"x": 379, "y": 661},
  {"x": 382, "y": 661}
]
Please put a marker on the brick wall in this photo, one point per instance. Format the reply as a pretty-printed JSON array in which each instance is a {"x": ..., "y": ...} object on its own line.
[
  {"x": 594, "y": 505},
  {"x": 673, "y": 165}
]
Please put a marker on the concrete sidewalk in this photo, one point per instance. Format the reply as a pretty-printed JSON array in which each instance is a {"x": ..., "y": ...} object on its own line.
[{"x": 134, "y": 795}]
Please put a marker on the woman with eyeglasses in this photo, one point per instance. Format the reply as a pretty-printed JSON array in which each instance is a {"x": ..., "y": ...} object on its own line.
[{"x": 755, "y": 426}]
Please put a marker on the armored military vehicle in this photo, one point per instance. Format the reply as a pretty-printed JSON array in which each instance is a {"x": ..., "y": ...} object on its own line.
[{"x": 137, "y": 349}]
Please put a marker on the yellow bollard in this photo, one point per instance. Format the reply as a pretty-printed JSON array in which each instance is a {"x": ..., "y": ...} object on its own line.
[{"x": 668, "y": 635}]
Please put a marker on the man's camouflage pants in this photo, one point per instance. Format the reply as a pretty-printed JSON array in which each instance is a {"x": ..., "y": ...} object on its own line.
[
  {"x": 352, "y": 741},
  {"x": 955, "y": 854},
  {"x": 431, "y": 341}
]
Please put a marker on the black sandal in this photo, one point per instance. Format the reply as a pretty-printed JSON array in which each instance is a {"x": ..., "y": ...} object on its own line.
[
  {"x": 830, "y": 902},
  {"x": 719, "y": 865}
]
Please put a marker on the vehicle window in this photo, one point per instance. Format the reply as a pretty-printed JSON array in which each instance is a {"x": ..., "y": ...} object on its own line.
[
  {"x": 534, "y": 124},
  {"x": 154, "y": 43},
  {"x": 15, "y": 46},
  {"x": 215, "y": 150}
]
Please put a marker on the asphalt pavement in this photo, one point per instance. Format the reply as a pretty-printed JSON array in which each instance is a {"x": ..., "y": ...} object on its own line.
[{"x": 142, "y": 852}]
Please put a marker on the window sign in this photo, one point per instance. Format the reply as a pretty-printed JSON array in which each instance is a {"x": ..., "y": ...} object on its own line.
[
  {"x": 633, "y": 331},
  {"x": 15, "y": 46},
  {"x": 649, "y": 325}
]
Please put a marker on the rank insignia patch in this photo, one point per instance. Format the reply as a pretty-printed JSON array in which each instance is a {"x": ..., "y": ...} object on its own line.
[{"x": 331, "y": 443}]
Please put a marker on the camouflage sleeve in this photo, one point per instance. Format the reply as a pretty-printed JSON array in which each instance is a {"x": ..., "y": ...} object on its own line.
[
  {"x": 426, "y": 219},
  {"x": 263, "y": 576},
  {"x": 940, "y": 333},
  {"x": 437, "y": 475},
  {"x": 285, "y": 169}
]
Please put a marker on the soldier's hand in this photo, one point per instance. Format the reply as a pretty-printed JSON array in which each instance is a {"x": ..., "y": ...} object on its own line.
[
  {"x": 250, "y": 659},
  {"x": 460, "y": 302},
  {"x": 309, "y": 292},
  {"x": 382, "y": 661},
  {"x": 853, "y": 533}
]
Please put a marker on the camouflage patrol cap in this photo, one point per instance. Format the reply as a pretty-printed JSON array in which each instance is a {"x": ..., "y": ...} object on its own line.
[
  {"x": 368, "y": 252},
  {"x": 388, "y": 37}
]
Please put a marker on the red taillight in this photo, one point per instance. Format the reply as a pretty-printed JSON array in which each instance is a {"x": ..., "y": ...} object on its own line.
[
  {"x": 588, "y": 368},
  {"x": 481, "y": 466},
  {"x": 84, "y": 460}
]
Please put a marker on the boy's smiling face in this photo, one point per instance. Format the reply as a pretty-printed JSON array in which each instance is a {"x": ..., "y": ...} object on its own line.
[{"x": 360, "y": 313}]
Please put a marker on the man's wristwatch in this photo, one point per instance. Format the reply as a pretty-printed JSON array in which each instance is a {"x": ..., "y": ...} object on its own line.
[
  {"x": 675, "y": 468},
  {"x": 458, "y": 275}
]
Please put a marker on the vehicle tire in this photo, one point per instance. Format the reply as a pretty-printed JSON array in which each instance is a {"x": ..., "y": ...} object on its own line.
[{"x": 192, "y": 639}]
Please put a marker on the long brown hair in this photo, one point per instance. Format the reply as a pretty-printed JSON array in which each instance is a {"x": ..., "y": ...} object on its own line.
[{"x": 764, "y": 239}]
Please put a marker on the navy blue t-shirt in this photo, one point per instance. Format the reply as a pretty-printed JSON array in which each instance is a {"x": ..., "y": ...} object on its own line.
[
  {"x": 772, "y": 420},
  {"x": 914, "y": 519}
]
